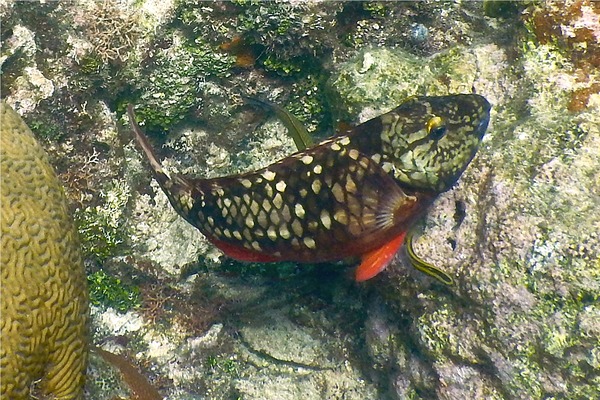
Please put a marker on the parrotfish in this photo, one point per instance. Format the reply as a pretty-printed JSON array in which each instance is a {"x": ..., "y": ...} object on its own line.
[{"x": 355, "y": 194}]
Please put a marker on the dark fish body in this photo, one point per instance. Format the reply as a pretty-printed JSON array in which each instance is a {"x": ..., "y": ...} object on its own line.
[{"x": 355, "y": 194}]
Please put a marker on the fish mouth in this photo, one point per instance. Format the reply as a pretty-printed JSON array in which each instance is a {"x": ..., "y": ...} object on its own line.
[
  {"x": 482, "y": 127},
  {"x": 485, "y": 117}
]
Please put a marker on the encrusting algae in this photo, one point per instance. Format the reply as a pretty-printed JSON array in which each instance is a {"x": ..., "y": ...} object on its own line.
[{"x": 43, "y": 303}]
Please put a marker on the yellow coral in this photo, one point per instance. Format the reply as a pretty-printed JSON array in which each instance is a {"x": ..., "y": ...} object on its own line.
[{"x": 43, "y": 302}]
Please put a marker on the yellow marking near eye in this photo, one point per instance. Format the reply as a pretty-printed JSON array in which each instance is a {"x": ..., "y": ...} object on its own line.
[{"x": 433, "y": 123}]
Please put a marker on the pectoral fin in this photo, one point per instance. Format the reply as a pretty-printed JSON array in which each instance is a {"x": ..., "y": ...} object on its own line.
[{"x": 375, "y": 261}]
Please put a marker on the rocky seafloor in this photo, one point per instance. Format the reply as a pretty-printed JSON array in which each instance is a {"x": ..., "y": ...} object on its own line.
[{"x": 519, "y": 232}]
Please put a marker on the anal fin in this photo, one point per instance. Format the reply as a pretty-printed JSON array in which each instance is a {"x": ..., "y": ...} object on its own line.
[
  {"x": 375, "y": 261},
  {"x": 241, "y": 253}
]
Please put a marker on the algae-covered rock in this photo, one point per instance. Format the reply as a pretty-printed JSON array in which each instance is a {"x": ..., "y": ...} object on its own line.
[
  {"x": 44, "y": 309},
  {"x": 518, "y": 232}
]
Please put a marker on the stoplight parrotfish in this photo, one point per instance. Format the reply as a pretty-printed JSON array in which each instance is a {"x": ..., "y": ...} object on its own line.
[
  {"x": 303, "y": 140},
  {"x": 355, "y": 194}
]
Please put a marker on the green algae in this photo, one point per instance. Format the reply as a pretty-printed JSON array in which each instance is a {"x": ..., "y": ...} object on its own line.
[
  {"x": 175, "y": 80},
  {"x": 109, "y": 291},
  {"x": 102, "y": 228}
]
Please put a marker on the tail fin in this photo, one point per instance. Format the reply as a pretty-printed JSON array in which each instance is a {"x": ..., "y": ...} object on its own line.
[
  {"x": 177, "y": 188},
  {"x": 157, "y": 170}
]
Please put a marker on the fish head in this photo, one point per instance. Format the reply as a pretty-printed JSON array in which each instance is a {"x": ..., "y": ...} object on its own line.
[{"x": 429, "y": 141}]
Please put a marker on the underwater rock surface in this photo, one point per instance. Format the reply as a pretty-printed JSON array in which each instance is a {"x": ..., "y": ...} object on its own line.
[{"x": 519, "y": 232}]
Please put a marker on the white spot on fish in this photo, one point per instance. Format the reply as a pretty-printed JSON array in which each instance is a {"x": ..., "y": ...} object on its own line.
[
  {"x": 307, "y": 159},
  {"x": 280, "y": 186},
  {"x": 325, "y": 219},
  {"x": 316, "y": 186},
  {"x": 269, "y": 175},
  {"x": 284, "y": 232},
  {"x": 299, "y": 211},
  {"x": 271, "y": 233},
  {"x": 278, "y": 200},
  {"x": 297, "y": 227},
  {"x": 309, "y": 242}
]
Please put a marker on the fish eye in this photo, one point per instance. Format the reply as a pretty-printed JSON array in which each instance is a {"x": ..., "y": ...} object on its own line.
[{"x": 436, "y": 129}]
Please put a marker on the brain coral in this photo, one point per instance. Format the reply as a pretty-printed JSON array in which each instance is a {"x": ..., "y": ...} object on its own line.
[{"x": 43, "y": 302}]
